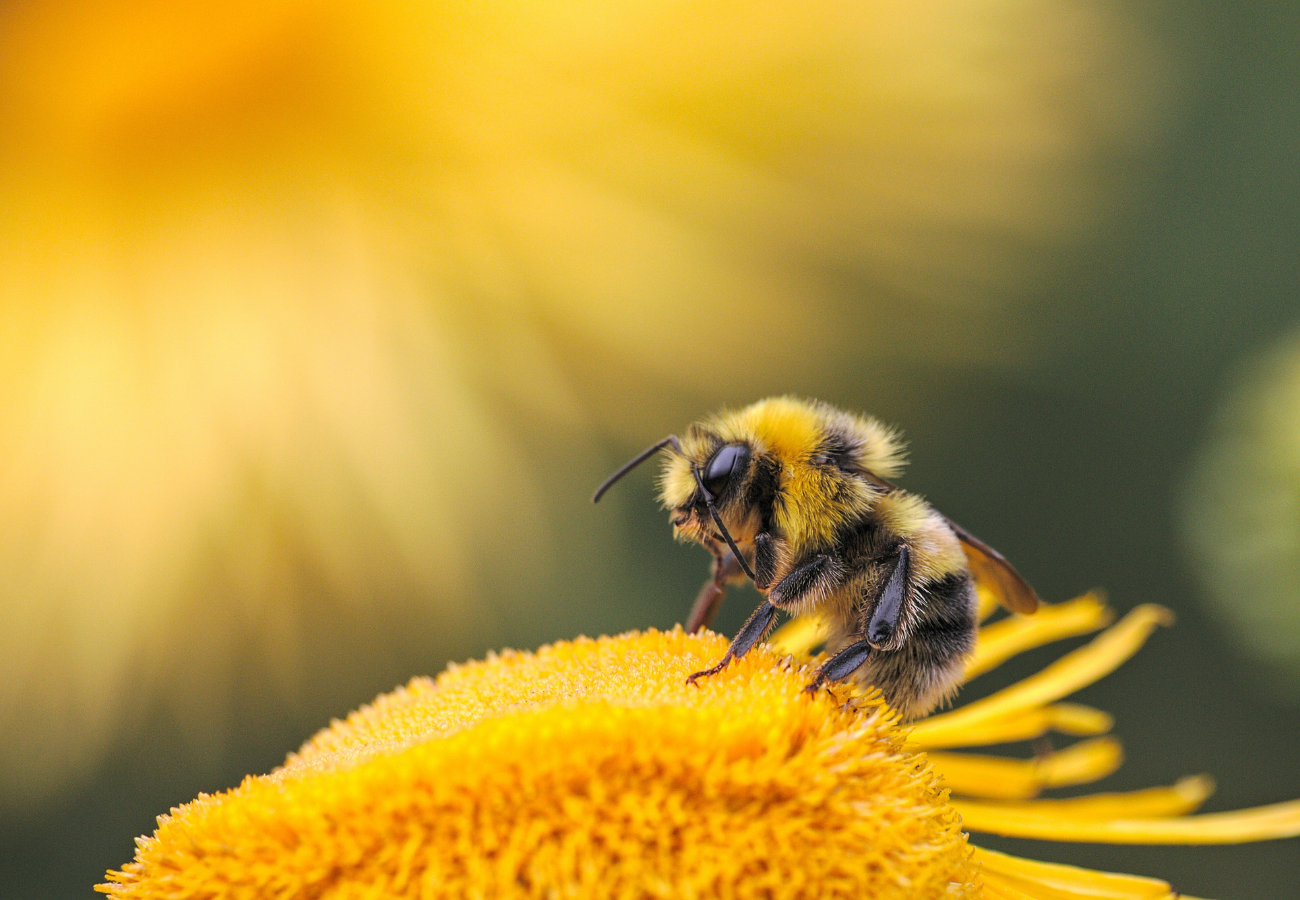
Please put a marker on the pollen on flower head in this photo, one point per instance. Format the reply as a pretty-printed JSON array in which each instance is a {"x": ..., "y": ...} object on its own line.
[{"x": 586, "y": 769}]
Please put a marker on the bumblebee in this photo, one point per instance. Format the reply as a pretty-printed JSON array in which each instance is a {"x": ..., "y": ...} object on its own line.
[{"x": 795, "y": 495}]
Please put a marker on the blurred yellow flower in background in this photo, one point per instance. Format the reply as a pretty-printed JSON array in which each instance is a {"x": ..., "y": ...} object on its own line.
[
  {"x": 592, "y": 769},
  {"x": 281, "y": 280},
  {"x": 1241, "y": 511}
]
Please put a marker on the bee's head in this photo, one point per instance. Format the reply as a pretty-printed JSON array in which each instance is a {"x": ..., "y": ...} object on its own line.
[
  {"x": 706, "y": 483},
  {"x": 711, "y": 472},
  {"x": 789, "y": 467},
  {"x": 793, "y": 468}
]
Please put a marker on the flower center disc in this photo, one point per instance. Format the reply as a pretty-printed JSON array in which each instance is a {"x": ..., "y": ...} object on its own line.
[{"x": 587, "y": 769}]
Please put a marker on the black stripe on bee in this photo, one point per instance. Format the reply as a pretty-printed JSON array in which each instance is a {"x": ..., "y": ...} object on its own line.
[
  {"x": 862, "y": 541},
  {"x": 763, "y": 488},
  {"x": 838, "y": 450}
]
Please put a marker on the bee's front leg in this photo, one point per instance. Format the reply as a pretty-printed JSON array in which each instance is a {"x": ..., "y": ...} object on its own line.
[
  {"x": 725, "y": 569},
  {"x": 755, "y": 627}
]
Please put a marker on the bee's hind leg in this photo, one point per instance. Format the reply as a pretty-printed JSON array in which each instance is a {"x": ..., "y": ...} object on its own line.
[
  {"x": 750, "y": 634},
  {"x": 880, "y": 628},
  {"x": 841, "y": 665}
]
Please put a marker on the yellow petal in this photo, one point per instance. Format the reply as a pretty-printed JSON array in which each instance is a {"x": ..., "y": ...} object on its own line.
[
  {"x": 1053, "y": 881},
  {"x": 1068, "y": 674},
  {"x": 1081, "y": 763},
  {"x": 1261, "y": 823},
  {"x": 1000, "y": 778},
  {"x": 1161, "y": 802},
  {"x": 1066, "y": 718},
  {"x": 996, "y": 890},
  {"x": 1002, "y": 640},
  {"x": 1078, "y": 720},
  {"x": 798, "y": 636},
  {"x": 989, "y": 603}
]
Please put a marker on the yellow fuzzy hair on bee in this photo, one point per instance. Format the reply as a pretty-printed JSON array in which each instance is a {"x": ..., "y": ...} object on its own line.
[{"x": 797, "y": 433}]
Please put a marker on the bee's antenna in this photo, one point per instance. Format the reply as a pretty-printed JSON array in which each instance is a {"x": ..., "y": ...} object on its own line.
[
  {"x": 670, "y": 441},
  {"x": 717, "y": 520}
]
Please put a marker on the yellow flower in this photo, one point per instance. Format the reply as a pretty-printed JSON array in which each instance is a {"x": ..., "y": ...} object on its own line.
[{"x": 590, "y": 769}]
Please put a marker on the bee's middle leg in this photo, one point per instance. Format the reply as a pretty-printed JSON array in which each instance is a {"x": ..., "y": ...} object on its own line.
[
  {"x": 841, "y": 665},
  {"x": 755, "y": 627},
  {"x": 819, "y": 573}
]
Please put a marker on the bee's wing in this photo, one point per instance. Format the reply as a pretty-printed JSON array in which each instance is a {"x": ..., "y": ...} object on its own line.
[
  {"x": 990, "y": 568},
  {"x": 987, "y": 566}
]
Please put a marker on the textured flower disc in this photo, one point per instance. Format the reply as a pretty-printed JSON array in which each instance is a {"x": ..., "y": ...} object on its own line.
[{"x": 588, "y": 769}]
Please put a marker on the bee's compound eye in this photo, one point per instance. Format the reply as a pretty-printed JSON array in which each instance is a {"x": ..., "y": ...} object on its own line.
[{"x": 731, "y": 458}]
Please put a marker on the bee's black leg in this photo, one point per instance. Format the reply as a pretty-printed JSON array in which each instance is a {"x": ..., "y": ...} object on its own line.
[
  {"x": 818, "y": 574},
  {"x": 764, "y": 560},
  {"x": 725, "y": 568},
  {"x": 750, "y": 634},
  {"x": 841, "y": 665},
  {"x": 889, "y": 608}
]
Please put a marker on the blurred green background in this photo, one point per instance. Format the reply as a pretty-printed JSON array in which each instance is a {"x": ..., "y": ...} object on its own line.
[{"x": 319, "y": 323}]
